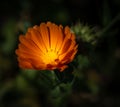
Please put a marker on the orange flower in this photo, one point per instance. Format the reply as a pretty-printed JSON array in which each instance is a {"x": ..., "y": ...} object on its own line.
[{"x": 46, "y": 47}]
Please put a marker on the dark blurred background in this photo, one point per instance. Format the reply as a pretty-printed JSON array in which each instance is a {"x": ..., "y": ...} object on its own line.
[{"x": 99, "y": 63}]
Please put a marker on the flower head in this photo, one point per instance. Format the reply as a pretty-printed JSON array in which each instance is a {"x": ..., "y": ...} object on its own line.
[{"x": 46, "y": 47}]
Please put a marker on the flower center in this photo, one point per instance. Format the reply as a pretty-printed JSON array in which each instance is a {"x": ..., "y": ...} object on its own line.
[{"x": 50, "y": 57}]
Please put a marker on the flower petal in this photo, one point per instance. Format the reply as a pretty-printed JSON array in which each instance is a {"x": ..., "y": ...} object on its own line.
[
  {"x": 44, "y": 31},
  {"x": 24, "y": 64},
  {"x": 38, "y": 40},
  {"x": 60, "y": 38},
  {"x": 54, "y": 32}
]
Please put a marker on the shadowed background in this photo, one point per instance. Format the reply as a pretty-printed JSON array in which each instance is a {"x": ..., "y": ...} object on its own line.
[{"x": 98, "y": 79}]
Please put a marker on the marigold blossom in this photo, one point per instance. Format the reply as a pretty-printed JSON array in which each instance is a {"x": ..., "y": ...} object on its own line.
[{"x": 46, "y": 47}]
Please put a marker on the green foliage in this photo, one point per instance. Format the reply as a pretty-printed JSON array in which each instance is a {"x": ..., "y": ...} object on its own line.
[{"x": 9, "y": 31}]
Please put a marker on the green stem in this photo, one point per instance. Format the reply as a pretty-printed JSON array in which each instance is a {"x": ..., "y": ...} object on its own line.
[
  {"x": 45, "y": 76},
  {"x": 54, "y": 76},
  {"x": 56, "y": 79},
  {"x": 110, "y": 25}
]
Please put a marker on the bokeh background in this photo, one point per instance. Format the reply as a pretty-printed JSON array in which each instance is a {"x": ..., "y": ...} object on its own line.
[{"x": 96, "y": 67}]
